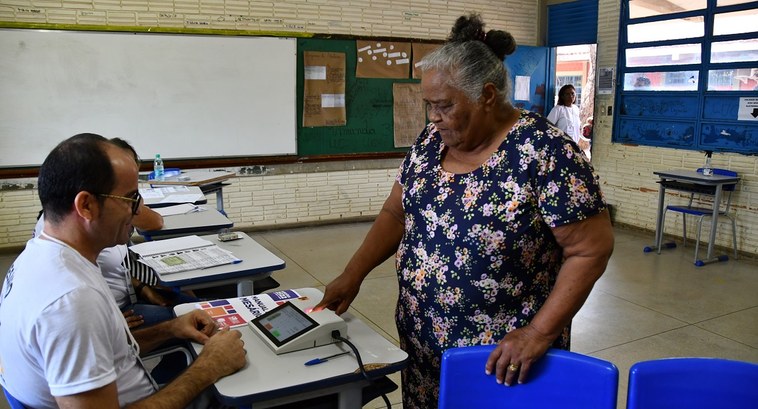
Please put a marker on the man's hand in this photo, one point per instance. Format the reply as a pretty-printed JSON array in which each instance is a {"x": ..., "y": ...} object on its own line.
[
  {"x": 132, "y": 319},
  {"x": 196, "y": 326},
  {"x": 223, "y": 354}
]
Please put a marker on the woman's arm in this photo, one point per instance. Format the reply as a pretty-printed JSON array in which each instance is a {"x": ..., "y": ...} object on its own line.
[
  {"x": 587, "y": 246},
  {"x": 380, "y": 243},
  {"x": 147, "y": 218}
]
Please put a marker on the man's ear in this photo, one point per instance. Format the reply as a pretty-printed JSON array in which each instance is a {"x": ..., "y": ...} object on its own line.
[{"x": 86, "y": 205}]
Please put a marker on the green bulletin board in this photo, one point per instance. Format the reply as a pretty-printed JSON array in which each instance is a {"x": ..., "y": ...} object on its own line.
[{"x": 368, "y": 102}]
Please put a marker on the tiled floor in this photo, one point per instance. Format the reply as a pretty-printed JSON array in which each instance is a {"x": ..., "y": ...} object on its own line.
[{"x": 646, "y": 306}]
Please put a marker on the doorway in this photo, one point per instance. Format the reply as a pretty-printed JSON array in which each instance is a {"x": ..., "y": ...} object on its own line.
[{"x": 575, "y": 65}]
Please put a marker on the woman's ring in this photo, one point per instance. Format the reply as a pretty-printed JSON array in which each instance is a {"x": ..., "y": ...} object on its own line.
[{"x": 513, "y": 367}]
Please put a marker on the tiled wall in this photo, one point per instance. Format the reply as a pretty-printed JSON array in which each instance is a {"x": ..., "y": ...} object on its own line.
[{"x": 285, "y": 198}]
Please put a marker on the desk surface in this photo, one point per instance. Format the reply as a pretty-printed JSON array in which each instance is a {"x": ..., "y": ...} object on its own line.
[
  {"x": 256, "y": 261},
  {"x": 697, "y": 177},
  {"x": 171, "y": 195},
  {"x": 194, "y": 178},
  {"x": 269, "y": 376},
  {"x": 206, "y": 221}
]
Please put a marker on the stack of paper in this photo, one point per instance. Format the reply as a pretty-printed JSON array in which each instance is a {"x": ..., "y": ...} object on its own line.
[{"x": 182, "y": 254}]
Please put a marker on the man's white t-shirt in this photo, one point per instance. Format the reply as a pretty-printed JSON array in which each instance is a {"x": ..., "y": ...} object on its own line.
[
  {"x": 61, "y": 332},
  {"x": 111, "y": 262}
]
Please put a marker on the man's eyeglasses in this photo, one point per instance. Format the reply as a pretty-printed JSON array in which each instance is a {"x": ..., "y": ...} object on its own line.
[{"x": 135, "y": 199}]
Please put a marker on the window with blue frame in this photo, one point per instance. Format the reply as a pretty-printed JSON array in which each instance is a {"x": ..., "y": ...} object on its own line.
[{"x": 688, "y": 75}]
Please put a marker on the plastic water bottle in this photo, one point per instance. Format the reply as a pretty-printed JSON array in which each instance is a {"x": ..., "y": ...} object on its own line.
[
  {"x": 158, "y": 172},
  {"x": 707, "y": 169}
]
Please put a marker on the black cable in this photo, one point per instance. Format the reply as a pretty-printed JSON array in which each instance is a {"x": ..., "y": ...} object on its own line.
[{"x": 336, "y": 335}]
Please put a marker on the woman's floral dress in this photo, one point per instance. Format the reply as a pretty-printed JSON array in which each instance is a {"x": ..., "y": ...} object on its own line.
[{"x": 478, "y": 258}]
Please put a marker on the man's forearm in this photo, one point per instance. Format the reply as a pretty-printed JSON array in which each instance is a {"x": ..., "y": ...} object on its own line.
[
  {"x": 180, "y": 393},
  {"x": 154, "y": 336}
]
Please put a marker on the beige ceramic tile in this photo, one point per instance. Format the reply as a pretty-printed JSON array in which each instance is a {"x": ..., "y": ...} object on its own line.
[
  {"x": 689, "y": 341},
  {"x": 606, "y": 321},
  {"x": 741, "y": 326}
]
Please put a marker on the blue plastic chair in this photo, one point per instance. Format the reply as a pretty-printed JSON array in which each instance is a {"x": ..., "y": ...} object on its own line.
[
  {"x": 561, "y": 379},
  {"x": 703, "y": 212},
  {"x": 692, "y": 383},
  {"x": 13, "y": 402}
]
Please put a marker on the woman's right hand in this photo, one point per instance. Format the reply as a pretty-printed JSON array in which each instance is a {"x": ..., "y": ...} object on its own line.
[{"x": 339, "y": 294}]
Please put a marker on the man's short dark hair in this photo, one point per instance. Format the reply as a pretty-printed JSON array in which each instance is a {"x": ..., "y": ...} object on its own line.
[{"x": 80, "y": 163}]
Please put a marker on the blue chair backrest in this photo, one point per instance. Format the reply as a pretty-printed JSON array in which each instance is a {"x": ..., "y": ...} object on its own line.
[
  {"x": 13, "y": 402},
  {"x": 560, "y": 379},
  {"x": 722, "y": 172},
  {"x": 692, "y": 383}
]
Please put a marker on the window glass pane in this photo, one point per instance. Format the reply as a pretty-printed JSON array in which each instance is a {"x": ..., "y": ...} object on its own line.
[
  {"x": 666, "y": 30},
  {"x": 644, "y": 8},
  {"x": 736, "y": 22},
  {"x": 735, "y": 79},
  {"x": 661, "y": 81},
  {"x": 664, "y": 55},
  {"x": 734, "y": 51}
]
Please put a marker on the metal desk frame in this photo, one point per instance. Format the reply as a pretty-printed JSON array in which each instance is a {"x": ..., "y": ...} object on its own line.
[{"x": 689, "y": 176}]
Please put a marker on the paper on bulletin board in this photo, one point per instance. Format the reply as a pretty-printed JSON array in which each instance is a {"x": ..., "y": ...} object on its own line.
[
  {"x": 523, "y": 86},
  {"x": 382, "y": 59},
  {"x": 420, "y": 50},
  {"x": 324, "y": 89},
  {"x": 408, "y": 113},
  {"x": 605, "y": 80}
]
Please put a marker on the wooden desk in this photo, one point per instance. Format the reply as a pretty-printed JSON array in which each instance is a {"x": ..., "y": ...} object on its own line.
[
  {"x": 257, "y": 263},
  {"x": 171, "y": 195},
  {"x": 688, "y": 180},
  {"x": 268, "y": 379},
  {"x": 207, "y": 181},
  {"x": 207, "y": 221}
]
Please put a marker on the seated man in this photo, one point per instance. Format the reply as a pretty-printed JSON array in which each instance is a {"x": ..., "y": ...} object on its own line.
[{"x": 64, "y": 342}]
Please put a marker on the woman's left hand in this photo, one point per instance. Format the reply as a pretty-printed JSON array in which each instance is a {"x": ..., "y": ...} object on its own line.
[{"x": 516, "y": 353}]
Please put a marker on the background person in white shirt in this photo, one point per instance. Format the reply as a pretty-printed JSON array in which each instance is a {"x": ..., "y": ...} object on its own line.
[
  {"x": 64, "y": 342},
  {"x": 565, "y": 115}
]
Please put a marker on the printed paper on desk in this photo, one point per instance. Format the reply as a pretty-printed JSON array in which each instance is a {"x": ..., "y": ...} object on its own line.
[
  {"x": 182, "y": 198},
  {"x": 174, "y": 210},
  {"x": 192, "y": 259},
  {"x": 150, "y": 248}
]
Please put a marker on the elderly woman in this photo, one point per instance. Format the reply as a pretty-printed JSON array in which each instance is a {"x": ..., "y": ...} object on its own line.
[{"x": 497, "y": 224}]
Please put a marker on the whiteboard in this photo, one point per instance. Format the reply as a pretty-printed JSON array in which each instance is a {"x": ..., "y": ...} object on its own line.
[{"x": 183, "y": 96}]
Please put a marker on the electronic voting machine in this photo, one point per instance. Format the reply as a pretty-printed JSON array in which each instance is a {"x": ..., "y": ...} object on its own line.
[{"x": 293, "y": 326}]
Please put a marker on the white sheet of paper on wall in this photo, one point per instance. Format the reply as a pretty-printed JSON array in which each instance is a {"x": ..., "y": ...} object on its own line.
[
  {"x": 315, "y": 72},
  {"x": 332, "y": 100},
  {"x": 522, "y": 88}
]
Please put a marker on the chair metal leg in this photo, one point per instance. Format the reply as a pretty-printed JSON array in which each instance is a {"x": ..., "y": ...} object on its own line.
[
  {"x": 734, "y": 236},
  {"x": 663, "y": 224},
  {"x": 684, "y": 230},
  {"x": 697, "y": 237}
]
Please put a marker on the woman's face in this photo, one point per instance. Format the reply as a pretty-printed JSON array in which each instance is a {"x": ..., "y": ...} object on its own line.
[
  {"x": 569, "y": 96},
  {"x": 453, "y": 113}
]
